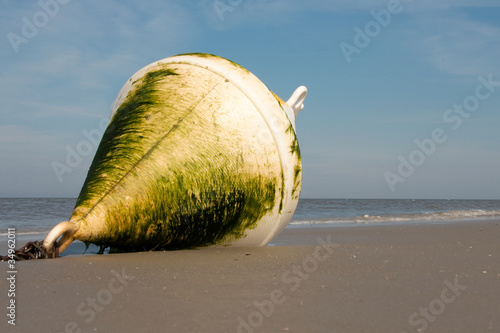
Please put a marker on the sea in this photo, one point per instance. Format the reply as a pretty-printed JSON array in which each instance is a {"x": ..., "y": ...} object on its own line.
[{"x": 33, "y": 218}]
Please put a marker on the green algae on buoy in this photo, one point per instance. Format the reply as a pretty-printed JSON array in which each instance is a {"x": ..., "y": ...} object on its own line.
[{"x": 198, "y": 152}]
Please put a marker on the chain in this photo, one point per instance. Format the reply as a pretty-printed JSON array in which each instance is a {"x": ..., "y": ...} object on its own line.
[{"x": 32, "y": 250}]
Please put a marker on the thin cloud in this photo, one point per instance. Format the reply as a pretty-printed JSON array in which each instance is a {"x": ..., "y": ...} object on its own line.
[
  {"x": 79, "y": 58},
  {"x": 224, "y": 14},
  {"x": 463, "y": 47}
]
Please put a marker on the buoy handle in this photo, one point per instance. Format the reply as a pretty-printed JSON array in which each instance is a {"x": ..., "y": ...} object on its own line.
[
  {"x": 65, "y": 230},
  {"x": 296, "y": 101}
]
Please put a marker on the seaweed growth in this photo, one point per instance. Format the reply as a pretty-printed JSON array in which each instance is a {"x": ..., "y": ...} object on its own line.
[{"x": 161, "y": 178}]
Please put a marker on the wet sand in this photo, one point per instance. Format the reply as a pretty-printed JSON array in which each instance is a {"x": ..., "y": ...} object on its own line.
[{"x": 376, "y": 278}]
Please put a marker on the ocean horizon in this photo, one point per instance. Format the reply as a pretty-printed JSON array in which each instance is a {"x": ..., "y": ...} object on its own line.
[{"x": 34, "y": 216}]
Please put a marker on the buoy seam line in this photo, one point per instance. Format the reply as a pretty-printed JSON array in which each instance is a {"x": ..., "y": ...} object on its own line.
[
  {"x": 284, "y": 200},
  {"x": 176, "y": 125}
]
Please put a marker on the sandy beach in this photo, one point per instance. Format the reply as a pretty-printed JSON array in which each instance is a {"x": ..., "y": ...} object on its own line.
[{"x": 374, "y": 278}]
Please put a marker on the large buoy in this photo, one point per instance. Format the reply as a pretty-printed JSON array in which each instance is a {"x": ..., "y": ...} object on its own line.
[{"x": 198, "y": 152}]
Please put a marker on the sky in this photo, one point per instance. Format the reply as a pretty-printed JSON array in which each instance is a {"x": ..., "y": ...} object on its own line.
[{"x": 403, "y": 96}]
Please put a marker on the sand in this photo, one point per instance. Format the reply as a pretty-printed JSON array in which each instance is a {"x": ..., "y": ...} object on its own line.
[{"x": 377, "y": 278}]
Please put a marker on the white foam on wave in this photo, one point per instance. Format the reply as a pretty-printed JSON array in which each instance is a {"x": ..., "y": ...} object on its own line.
[
  {"x": 25, "y": 233},
  {"x": 454, "y": 215}
]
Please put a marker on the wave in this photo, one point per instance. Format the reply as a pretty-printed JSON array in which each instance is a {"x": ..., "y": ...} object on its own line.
[
  {"x": 453, "y": 215},
  {"x": 25, "y": 233}
]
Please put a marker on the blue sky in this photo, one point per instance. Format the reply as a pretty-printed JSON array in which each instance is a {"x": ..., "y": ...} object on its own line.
[{"x": 63, "y": 66}]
